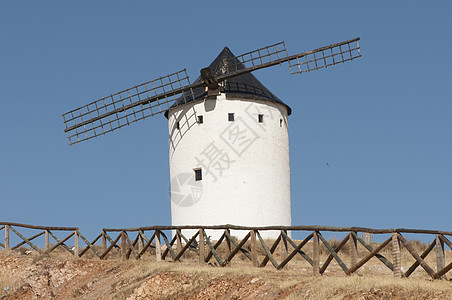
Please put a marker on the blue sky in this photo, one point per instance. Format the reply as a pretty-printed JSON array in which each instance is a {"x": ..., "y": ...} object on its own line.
[{"x": 382, "y": 123}]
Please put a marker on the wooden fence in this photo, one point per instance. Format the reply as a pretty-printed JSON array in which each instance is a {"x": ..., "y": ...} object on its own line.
[{"x": 133, "y": 243}]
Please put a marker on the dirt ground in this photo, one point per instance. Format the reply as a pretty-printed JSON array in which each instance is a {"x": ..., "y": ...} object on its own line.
[{"x": 63, "y": 277}]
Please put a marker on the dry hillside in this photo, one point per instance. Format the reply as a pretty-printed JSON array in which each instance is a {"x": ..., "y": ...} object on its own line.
[{"x": 62, "y": 277}]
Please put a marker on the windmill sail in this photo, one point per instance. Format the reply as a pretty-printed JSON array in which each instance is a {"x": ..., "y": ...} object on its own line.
[
  {"x": 265, "y": 55},
  {"x": 125, "y": 107},
  {"x": 299, "y": 63},
  {"x": 325, "y": 57}
]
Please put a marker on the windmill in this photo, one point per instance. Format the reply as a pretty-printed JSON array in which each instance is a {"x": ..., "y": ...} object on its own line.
[{"x": 228, "y": 134}]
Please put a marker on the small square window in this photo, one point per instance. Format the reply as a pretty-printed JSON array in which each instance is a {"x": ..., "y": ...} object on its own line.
[
  {"x": 231, "y": 117},
  {"x": 177, "y": 125},
  {"x": 200, "y": 119},
  {"x": 198, "y": 174},
  {"x": 260, "y": 118}
]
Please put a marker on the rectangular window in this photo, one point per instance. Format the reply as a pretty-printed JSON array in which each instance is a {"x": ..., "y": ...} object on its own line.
[
  {"x": 200, "y": 120},
  {"x": 260, "y": 118},
  {"x": 280, "y": 122},
  {"x": 231, "y": 117},
  {"x": 177, "y": 125},
  {"x": 198, "y": 174}
]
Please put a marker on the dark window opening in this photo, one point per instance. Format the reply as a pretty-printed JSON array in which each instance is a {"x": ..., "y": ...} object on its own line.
[
  {"x": 200, "y": 120},
  {"x": 231, "y": 117},
  {"x": 198, "y": 174},
  {"x": 260, "y": 118},
  {"x": 177, "y": 125},
  {"x": 280, "y": 122}
]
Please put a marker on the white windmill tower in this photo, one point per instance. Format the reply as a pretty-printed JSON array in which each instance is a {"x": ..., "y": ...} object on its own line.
[
  {"x": 228, "y": 134},
  {"x": 229, "y": 153}
]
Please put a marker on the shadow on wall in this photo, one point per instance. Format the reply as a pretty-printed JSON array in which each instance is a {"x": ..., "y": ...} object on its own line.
[{"x": 186, "y": 118}]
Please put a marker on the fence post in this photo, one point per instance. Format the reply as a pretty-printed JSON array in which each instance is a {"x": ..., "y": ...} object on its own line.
[
  {"x": 47, "y": 242},
  {"x": 123, "y": 246},
  {"x": 158, "y": 248},
  {"x": 253, "y": 247},
  {"x": 440, "y": 257},
  {"x": 353, "y": 249},
  {"x": 104, "y": 241},
  {"x": 201, "y": 246},
  {"x": 6, "y": 237},
  {"x": 367, "y": 237},
  {"x": 76, "y": 248},
  {"x": 396, "y": 255},
  {"x": 315, "y": 254}
]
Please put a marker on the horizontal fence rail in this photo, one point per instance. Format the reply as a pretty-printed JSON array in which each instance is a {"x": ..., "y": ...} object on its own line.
[{"x": 176, "y": 243}]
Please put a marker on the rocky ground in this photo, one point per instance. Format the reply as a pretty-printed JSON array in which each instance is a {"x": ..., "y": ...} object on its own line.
[{"x": 58, "y": 277}]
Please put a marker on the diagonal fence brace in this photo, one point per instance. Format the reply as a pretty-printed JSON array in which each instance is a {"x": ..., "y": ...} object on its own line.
[
  {"x": 416, "y": 263},
  {"x": 333, "y": 254},
  {"x": 188, "y": 244},
  {"x": 302, "y": 253},
  {"x": 89, "y": 245},
  {"x": 25, "y": 240},
  {"x": 296, "y": 250},
  {"x": 30, "y": 239},
  {"x": 63, "y": 244},
  {"x": 60, "y": 243},
  {"x": 212, "y": 250},
  {"x": 217, "y": 244},
  {"x": 416, "y": 256},
  {"x": 148, "y": 244},
  {"x": 272, "y": 250},
  {"x": 373, "y": 253},
  {"x": 371, "y": 249},
  {"x": 267, "y": 251},
  {"x": 168, "y": 246},
  {"x": 112, "y": 244},
  {"x": 191, "y": 246},
  {"x": 130, "y": 246},
  {"x": 234, "y": 242},
  {"x": 237, "y": 248}
]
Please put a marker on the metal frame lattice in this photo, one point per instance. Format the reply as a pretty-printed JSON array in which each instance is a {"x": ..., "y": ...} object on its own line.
[{"x": 95, "y": 118}]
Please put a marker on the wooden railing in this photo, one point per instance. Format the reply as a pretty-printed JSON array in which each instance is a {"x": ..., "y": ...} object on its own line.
[
  {"x": 42, "y": 230},
  {"x": 155, "y": 241}
]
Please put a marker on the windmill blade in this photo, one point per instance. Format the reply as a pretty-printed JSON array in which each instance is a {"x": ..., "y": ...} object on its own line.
[
  {"x": 267, "y": 54},
  {"x": 324, "y": 57},
  {"x": 126, "y": 107},
  {"x": 299, "y": 63}
]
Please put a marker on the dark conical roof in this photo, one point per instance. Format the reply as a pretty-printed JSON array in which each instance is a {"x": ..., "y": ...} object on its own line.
[{"x": 242, "y": 86}]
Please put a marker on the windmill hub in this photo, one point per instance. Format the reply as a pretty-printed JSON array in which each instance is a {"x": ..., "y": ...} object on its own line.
[{"x": 209, "y": 79}]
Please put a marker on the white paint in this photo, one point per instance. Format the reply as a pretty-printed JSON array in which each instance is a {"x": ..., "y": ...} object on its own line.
[{"x": 246, "y": 177}]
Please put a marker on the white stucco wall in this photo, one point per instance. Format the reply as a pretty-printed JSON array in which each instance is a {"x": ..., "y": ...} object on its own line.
[{"x": 245, "y": 164}]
